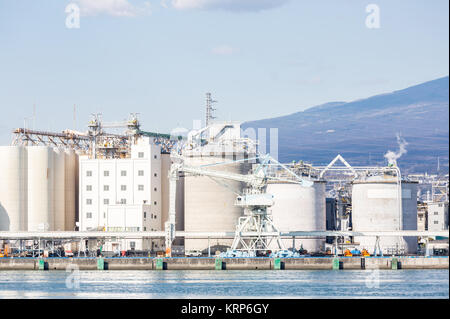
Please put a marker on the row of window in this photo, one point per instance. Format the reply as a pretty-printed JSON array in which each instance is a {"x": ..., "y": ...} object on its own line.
[
  {"x": 141, "y": 155},
  {"x": 106, "y": 201},
  {"x": 89, "y": 216},
  {"x": 120, "y": 229},
  {"x": 122, "y": 173},
  {"x": 122, "y": 188},
  {"x": 151, "y": 215}
]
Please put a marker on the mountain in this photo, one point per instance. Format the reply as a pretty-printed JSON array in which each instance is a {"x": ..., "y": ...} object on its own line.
[{"x": 363, "y": 131}]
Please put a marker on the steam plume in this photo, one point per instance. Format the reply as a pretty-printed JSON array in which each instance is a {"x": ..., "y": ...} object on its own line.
[{"x": 391, "y": 156}]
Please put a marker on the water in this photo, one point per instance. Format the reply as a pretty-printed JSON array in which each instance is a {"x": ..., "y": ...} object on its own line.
[{"x": 226, "y": 284}]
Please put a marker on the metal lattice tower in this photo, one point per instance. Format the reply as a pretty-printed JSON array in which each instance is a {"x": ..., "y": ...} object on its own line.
[{"x": 209, "y": 109}]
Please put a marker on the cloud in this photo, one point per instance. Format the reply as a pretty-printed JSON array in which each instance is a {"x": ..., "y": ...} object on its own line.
[
  {"x": 224, "y": 50},
  {"x": 117, "y": 8},
  {"x": 164, "y": 4},
  {"x": 310, "y": 81},
  {"x": 228, "y": 5}
]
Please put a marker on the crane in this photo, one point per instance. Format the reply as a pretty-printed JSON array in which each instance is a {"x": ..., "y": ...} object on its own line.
[{"x": 256, "y": 223}]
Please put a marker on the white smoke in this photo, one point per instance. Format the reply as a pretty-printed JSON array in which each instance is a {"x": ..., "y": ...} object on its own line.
[{"x": 391, "y": 156}]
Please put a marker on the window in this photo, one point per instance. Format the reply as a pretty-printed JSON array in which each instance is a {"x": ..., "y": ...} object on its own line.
[
  {"x": 88, "y": 201},
  {"x": 155, "y": 189},
  {"x": 106, "y": 188},
  {"x": 145, "y": 228},
  {"x": 88, "y": 173},
  {"x": 436, "y": 222},
  {"x": 89, "y": 188},
  {"x": 140, "y": 187},
  {"x": 155, "y": 157},
  {"x": 123, "y": 187},
  {"x": 154, "y": 216},
  {"x": 436, "y": 213},
  {"x": 141, "y": 173},
  {"x": 123, "y": 173},
  {"x": 154, "y": 203},
  {"x": 145, "y": 214},
  {"x": 151, "y": 215},
  {"x": 155, "y": 174},
  {"x": 106, "y": 173},
  {"x": 141, "y": 154},
  {"x": 88, "y": 215},
  {"x": 123, "y": 201},
  {"x": 106, "y": 201}
]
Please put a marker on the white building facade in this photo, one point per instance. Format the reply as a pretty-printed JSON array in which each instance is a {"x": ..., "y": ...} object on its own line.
[
  {"x": 123, "y": 218},
  {"x": 111, "y": 183},
  {"x": 437, "y": 216}
]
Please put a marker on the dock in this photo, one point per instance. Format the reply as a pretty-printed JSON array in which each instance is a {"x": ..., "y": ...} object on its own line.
[{"x": 216, "y": 263}]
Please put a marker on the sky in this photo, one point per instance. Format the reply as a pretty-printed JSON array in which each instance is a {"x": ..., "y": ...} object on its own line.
[{"x": 158, "y": 58}]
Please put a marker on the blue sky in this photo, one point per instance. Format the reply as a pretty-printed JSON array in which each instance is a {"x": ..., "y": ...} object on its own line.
[{"x": 259, "y": 58}]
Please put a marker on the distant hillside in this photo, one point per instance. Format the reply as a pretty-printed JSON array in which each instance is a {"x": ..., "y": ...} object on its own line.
[{"x": 363, "y": 131}]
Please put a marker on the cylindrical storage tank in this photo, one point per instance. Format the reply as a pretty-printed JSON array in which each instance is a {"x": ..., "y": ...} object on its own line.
[
  {"x": 209, "y": 204},
  {"x": 71, "y": 189},
  {"x": 376, "y": 207},
  {"x": 40, "y": 188},
  {"x": 59, "y": 190},
  {"x": 299, "y": 208},
  {"x": 13, "y": 188}
]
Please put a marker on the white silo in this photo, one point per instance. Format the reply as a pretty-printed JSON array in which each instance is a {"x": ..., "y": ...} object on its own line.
[
  {"x": 59, "y": 190},
  {"x": 13, "y": 188},
  {"x": 40, "y": 188},
  {"x": 299, "y": 208},
  {"x": 376, "y": 206},
  {"x": 208, "y": 203},
  {"x": 71, "y": 189}
]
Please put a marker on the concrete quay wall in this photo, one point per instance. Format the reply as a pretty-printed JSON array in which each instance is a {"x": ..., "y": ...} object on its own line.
[{"x": 304, "y": 263}]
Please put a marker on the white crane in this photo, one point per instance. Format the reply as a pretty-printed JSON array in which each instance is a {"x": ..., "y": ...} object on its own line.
[{"x": 256, "y": 223}]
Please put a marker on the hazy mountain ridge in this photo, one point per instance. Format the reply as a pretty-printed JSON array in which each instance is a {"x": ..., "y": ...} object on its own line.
[{"x": 364, "y": 130}]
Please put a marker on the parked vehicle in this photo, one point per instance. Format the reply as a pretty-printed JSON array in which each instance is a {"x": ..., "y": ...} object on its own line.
[{"x": 194, "y": 253}]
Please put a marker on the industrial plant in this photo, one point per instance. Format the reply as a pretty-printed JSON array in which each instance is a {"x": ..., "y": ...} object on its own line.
[{"x": 212, "y": 192}]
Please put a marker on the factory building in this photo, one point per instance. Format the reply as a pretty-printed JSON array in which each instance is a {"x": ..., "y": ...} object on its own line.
[
  {"x": 111, "y": 184},
  {"x": 123, "y": 218},
  {"x": 422, "y": 216},
  {"x": 437, "y": 216},
  {"x": 121, "y": 183}
]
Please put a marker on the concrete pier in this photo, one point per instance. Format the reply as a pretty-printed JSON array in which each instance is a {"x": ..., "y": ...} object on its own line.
[{"x": 201, "y": 263}]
